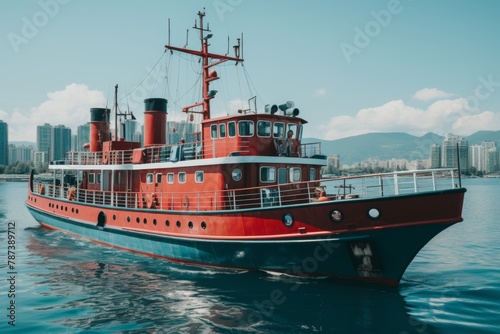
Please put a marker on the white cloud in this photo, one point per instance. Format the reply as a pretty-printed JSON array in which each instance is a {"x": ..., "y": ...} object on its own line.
[
  {"x": 428, "y": 94},
  {"x": 440, "y": 117},
  {"x": 70, "y": 107},
  {"x": 320, "y": 92}
]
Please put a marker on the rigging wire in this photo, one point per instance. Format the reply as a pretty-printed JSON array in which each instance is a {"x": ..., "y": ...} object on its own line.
[{"x": 144, "y": 79}]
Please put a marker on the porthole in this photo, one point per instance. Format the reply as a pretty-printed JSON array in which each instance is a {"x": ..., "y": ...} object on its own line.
[
  {"x": 57, "y": 206},
  {"x": 373, "y": 213},
  {"x": 336, "y": 216},
  {"x": 66, "y": 208},
  {"x": 128, "y": 219},
  {"x": 114, "y": 217},
  {"x": 190, "y": 224},
  {"x": 236, "y": 174},
  {"x": 287, "y": 220},
  {"x": 203, "y": 225},
  {"x": 178, "y": 224},
  {"x": 138, "y": 220},
  {"x": 167, "y": 223},
  {"x": 73, "y": 210},
  {"x": 145, "y": 221},
  {"x": 76, "y": 211},
  {"x": 154, "y": 222}
]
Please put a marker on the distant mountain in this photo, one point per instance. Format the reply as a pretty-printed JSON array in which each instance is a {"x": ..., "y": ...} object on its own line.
[
  {"x": 25, "y": 143},
  {"x": 384, "y": 146},
  {"x": 480, "y": 136}
]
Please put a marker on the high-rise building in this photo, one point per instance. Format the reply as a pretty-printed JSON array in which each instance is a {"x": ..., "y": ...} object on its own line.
[
  {"x": 39, "y": 158},
  {"x": 4, "y": 143},
  {"x": 129, "y": 130},
  {"x": 43, "y": 133},
  {"x": 20, "y": 153},
  {"x": 479, "y": 156},
  {"x": 435, "y": 157},
  {"x": 452, "y": 146},
  {"x": 486, "y": 147},
  {"x": 82, "y": 136},
  {"x": 493, "y": 160},
  {"x": 60, "y": 142},
  {"x": 475, "y": 157}
]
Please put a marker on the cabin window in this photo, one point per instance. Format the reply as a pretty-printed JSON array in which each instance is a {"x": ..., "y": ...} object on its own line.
[
  {"x": 182, "y": 177},
  {"x": 98, "y": 178},
  {"x": 199, "y": 176},
  {"x": 213, "y": 131},
  {"x": 222, "y": 130},
  {"x": 91, "y": 177},
  {"x": 264, "y": 129},
  {"x": 312, "y": 174},
  {"x": 295, "y": 174},
  {"x": 170, "y": 178},
  {"x": 282, "y": 175},
  {"x": 267, "y": 174},
  {"x": 279, "y": 130},
  {"x": 149, "y": 178},
  {"x": 158, "y": 178},
  {"x": 231, "y": 127},
  {"x": 245, "y": 128},
  {"x": 292, "y": 127},
  {"x": 301, "y": 128}
]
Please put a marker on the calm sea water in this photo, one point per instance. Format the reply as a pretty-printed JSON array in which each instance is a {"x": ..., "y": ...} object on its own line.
[{"x": 68, "y": 285}]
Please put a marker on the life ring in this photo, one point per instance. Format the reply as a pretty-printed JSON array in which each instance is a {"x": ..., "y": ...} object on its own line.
[
  {"x": 105, "y": 157},
  {"x": 71, "y": 193},
  {"x": 42, "y": 189}
]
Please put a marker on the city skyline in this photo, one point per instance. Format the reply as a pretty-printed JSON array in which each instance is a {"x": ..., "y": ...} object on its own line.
[
  {"x": 377, "y": 66},
  {"x": 482, "y": 157}
]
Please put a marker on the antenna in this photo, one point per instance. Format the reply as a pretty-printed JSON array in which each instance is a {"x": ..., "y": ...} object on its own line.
[
  {"x": 169, "y": 31},
  {"x": 242, "y": 46},
  {"x": 187, "y": 38},
  {"x": 116, "y": 112}
]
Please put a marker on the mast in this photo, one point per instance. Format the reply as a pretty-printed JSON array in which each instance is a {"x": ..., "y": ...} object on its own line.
[{"x": 208, "y": 76}]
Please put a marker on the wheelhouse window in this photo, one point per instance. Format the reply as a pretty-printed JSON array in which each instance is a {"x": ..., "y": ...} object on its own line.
[
  {"x": 213, "y": 131},
  {"x": 149, "y": 178},
  {"x": 182, "y": 177},
  {"x": 245, "y": 128},
  {"x": 312, "y": 174},
  {"x": 231, "y": 127},
  {"x": 282, "y": 175},
  {"x": 98, "y": 178},
  {"x": 91, "y": 177},
  {"x": 279, "y": 130},
  {"x": 295, "y": 174},
  {"x": 222, "y": 130},
  {"x": 199, "y": 176},
  {"x": 158, "y": 178},
  {"x": 170, "y": 178},
  {"x": 292, "y": 127},
  {"x": 264, "y": 129},
  {"x": 267, "y": 174}
]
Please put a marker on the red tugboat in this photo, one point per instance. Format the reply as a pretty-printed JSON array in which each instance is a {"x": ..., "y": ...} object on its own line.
[{"x": 246, "y": 193}]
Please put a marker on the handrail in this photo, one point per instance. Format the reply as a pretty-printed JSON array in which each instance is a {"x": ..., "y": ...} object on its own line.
[
  {"x": 337, "y": 189},
  {"x": 175, "y": 152}
]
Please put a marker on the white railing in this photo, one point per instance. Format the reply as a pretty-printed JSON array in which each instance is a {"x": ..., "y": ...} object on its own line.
[
  {"x": 336, "y": 189},
  {"x": 176, "y": 152}
]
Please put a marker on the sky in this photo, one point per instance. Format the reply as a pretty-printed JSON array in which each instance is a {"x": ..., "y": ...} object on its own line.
[{"x": 351, "y": 67}]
